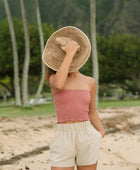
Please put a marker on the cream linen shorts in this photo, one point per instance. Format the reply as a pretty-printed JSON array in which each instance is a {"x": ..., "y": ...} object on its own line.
[{"x": 75, "y": 144}]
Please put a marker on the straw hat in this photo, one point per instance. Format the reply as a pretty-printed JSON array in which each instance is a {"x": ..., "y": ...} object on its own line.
[{"x": 53, "y": 55}]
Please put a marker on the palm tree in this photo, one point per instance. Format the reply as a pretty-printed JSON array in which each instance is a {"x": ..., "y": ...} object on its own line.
[
  {"x": 94, "y": 46},
  {"x": 15, "y": 55},
  {"x": 27, "y": 56},
  {"x": 42, "y": 47}
]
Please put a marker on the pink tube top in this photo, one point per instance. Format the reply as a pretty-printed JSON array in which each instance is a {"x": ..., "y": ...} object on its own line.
[{"x": 72, "y": 105}]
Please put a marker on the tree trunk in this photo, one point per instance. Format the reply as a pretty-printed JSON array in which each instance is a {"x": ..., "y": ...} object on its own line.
[
  {"x": 94, "y": 47},
  {"x": 42, "y": 48},
  {"x": 15, "y": 55},
  {"x": 27, "y": 56}
]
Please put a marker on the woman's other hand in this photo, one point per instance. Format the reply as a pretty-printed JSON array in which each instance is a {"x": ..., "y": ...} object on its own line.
[{"x": 102, "y": 133}]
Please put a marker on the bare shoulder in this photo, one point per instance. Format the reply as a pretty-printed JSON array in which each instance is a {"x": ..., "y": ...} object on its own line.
[{"x": 90, "y": 81}]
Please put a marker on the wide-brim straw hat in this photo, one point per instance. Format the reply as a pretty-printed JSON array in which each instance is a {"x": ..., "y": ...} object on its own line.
[{"x": 53, "y": 55}]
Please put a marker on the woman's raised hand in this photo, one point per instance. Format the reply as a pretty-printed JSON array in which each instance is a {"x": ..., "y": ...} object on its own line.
[{"x": 71, "y": 47}]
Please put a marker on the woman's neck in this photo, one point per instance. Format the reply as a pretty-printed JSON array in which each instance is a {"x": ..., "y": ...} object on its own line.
[{"x": 73, "y": 74}]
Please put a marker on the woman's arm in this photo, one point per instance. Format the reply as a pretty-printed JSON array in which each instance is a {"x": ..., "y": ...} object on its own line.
[
  {"x": 58, "y": 80},
  {"x": 93, "y": 115}
]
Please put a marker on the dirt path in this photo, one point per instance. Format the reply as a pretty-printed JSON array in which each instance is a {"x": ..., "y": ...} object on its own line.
[{"x": 24, "y": 142}]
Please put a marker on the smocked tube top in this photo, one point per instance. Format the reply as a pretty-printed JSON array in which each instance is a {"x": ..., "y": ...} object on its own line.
[{"x": 72, "y": 105}]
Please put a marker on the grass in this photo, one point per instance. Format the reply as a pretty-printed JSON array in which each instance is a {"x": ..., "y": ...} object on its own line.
[
  {"x": 119, "y": 103},
  {"x": 37, "y": 110},
  {"x": 44, "y": 109}
]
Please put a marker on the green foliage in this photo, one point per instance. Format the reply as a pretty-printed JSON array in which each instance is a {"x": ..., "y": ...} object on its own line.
[
  {"x": 6, "y": 54},
  {"x": 87, "y": 68},
  {"x": 119, "y": 58}
]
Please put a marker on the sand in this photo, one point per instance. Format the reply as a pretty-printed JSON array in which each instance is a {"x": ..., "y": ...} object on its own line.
[{"x": 24, "y": 142}]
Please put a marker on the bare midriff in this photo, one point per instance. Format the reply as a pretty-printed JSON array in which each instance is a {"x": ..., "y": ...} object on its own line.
[{"x": 69, "y": 122}]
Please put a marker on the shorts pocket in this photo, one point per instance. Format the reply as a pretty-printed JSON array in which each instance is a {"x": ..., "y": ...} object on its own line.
[
  {"x": 95, "y": 131},
  {"x": 100, "y": 134}
]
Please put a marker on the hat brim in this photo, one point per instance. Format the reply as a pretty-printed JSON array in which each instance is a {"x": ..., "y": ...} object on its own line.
[{"x": 53, "y": 55}]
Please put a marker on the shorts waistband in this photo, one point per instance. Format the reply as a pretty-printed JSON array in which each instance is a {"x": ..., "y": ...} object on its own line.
[{"x": 72, "y": 126}]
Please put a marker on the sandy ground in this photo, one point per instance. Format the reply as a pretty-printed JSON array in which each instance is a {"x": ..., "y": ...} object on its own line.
[{"x": 24, "y": 142}]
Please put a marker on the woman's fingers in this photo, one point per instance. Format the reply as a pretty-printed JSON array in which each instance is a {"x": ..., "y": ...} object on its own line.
[
  {"x": 70, "y": 47},
  {"x": 61, "y": 41},
  {"x": 63, "y": 47}
]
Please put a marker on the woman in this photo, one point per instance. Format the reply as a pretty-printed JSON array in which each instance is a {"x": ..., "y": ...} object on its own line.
[{"x": 78, "y": 130}]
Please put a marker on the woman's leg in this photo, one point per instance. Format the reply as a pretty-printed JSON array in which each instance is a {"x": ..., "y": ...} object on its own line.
[
  {"x": 87, "y": 167},
  {"x": 63, "y": 168}
]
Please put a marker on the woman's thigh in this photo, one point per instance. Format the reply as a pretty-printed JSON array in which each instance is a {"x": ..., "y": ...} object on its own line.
[
  {"x": 63, "y": 168},
  {"x": 87, "y": 167}
]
